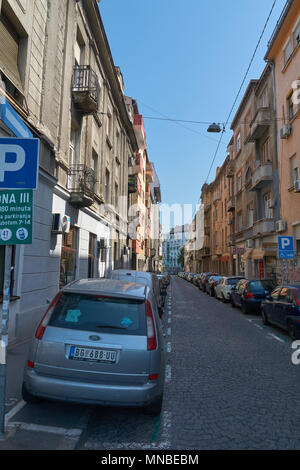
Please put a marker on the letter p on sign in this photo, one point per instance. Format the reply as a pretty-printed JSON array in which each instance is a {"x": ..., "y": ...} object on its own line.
[
  {"x": 285, "y": 243},
  {"x": 19, "y": 162}
]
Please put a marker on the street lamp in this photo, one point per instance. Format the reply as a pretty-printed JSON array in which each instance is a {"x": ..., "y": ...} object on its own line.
[{"x": 214, "y": 128}]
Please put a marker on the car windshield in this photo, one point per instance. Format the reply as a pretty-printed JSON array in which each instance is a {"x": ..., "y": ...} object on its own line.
[
  {"x": 96, "y": 313},
  {"x": 263, "y": 285}
]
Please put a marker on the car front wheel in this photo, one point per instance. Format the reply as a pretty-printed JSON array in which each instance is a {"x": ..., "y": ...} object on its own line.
[
  {"x": 293, "y": 334},
  {"x": 264, "y": 317}
]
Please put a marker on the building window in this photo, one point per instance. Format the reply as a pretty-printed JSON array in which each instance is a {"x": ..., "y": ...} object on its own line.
[
  {"x": 266, "y": 151},
  {"x": 290, "y": 107},
  {"x": 239, "y": 182},
  {"x": 268, "y": 210},
  {"x": 238, "y": 142},
  {"x": 296, "y": 33},
  {"x": 95, "y": 167},
  {"x": 106, "y": 189},
  {"x": 109, "y": 123},
  {"x": 240, "y": 221},
  {"x": 250, "y": 213},
  {"x": 116, "y": 197},
  {"x": 293, "y": 170},
  {"x": 91, "y": 255},
  {"x": 287, "y": 52},
  {"x": 264, "y": 100},
  {"x": 68, "y": 257}
]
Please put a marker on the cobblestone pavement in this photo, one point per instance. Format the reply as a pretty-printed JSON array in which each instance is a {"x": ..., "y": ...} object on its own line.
[{"x": 230, "y": 384}]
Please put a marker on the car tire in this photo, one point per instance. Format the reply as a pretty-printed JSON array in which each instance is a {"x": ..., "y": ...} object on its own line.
[
  {"x": 292, "y": 331},
  {"x": 245, "y": 309},
  {"x": 154, "y": 409},
  {"x": 223, "y": 298},
  {"x": 264, "y": 317},
  {"x": 28, "y": 397}
]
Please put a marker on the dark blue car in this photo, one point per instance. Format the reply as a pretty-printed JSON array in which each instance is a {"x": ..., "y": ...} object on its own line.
[
  {"x": 282, "y": 308},
  {"x": 249, "y": 294}
]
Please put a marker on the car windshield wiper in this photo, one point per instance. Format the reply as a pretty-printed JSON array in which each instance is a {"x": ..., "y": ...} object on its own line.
[{"x": 112, "y": 326}]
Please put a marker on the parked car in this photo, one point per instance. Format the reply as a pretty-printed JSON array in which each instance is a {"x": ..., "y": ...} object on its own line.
[
  {"x": 203, "y": 280},
  {"x": 210, "y": 285},
  {"x": 100, "y": 342},
  {"x": 282, "y": 308},
  {"x": 249, "y": 294},
  {"x": 196, "y": 279},
  {"x": 224, "y": 287},
  {"x": 180, "y": 274},
  {"x": 147, "y": 279}
]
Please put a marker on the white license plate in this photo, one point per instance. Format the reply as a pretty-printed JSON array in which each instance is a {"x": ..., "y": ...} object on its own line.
[{"x": 92, "y": 354}]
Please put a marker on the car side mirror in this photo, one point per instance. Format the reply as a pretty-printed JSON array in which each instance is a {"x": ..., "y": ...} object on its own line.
[{"x": 268, "y": 297}]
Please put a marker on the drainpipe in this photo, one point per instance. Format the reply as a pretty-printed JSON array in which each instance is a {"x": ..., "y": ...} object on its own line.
[{"x": 271, "y": 62}]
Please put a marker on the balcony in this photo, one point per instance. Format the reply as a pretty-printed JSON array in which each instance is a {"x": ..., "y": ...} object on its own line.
[
  {"x": 132, "y": 184},
  {"x": 81, "y": 184},
  {"x": 231, "y": 205},
  {"x": 230, "y": 169},
  {"x": 85, "y": 89},
  {"x": 262, "y": 175},
  {"x": 260, "y": 124},
  {"x": 139, "y": 129},
  {"x": 263, "y": 226},
  {"x": 149, "y": 174},
  {"x": 138, "y": 166}
]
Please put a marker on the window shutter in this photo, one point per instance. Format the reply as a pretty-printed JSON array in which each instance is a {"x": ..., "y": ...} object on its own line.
[{"x": 9, "y": 49}]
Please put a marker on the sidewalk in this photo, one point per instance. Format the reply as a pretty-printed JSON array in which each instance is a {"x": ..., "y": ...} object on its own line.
[{"x": 24, "y": 424}]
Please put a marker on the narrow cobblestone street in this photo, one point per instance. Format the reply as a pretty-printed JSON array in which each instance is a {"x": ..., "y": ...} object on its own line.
[{"x": 230, "y": 384}]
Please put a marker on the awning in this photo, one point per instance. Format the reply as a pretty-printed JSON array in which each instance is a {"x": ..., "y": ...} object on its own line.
[
  {"x": 260, "y": 254},
  {"x": 9, "y": 51},
  {"x": 225, "y": 258}
]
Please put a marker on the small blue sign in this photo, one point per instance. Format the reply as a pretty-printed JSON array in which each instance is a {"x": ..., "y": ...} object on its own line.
[
  {"x": 13, "y": 121},
  {"x": 286, "y": 248},
  {"x": 19, "y": 163}
]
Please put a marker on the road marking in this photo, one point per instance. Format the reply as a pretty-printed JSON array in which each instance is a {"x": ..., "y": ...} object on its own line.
[
  {"x": 169, "y": 331},
  {"x": 11, "y": 413},
  {"x": 169, "y": 347},
  {"x": 276, "y": 337},
  {"x": 169, "y": 320},
  {"x": 70, "y": 433},
  {"x": 168, "y": 374},
  {"x": 258, "y": 326}
]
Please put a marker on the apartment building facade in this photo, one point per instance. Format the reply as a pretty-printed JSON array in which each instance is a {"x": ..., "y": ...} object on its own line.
[
  {"x": 59, "y": 83},
  {"x": 283, "y": 55}
]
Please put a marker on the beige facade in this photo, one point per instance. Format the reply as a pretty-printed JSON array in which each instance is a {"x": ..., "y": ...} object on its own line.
[
  {"x": 284, "y": 56},
  {"x": 59, "y": 79}
]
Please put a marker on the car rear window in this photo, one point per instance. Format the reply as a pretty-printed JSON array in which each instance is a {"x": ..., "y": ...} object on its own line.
[
  {"x": 232, "y": 282},
  {"x": 100, "y": 314},
  {"x": 263, "y": 285}
]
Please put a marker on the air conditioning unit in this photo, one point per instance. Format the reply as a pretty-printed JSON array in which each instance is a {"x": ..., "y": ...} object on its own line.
[
  {"x": 285, "y": 131},
  {"x": 61, "y": 223},
  {"x": 297, "y": 186},
  {"x": 249, "y": 243},
  {"x": 281, "y": 226}
]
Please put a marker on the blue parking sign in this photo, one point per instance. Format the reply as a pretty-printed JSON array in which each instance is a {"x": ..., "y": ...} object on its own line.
[
  {"x": 286, "y": 248},
  {"x": 19, "y": 163}
]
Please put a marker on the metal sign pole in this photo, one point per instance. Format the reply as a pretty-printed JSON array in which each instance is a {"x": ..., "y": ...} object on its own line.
[{"x": 4, "y": 335}]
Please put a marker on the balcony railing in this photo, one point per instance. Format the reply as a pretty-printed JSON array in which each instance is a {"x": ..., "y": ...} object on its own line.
[
  {"x": 231, "y": 205},
  {"x": 262, "y": 175},
  {"x": 264, "y": 226},
  {"x": 85, "y": 89},
  {"x": 259, "y": 124},
  {"x": 81, "y": 184},
  {"x": 132, "y": 184}
]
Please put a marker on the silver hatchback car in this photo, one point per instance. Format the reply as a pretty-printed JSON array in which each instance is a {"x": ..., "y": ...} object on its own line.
[{"x": 100, "y": 342}]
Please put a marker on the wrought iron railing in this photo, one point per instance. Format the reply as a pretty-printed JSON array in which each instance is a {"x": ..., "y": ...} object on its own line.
[
  {"x": 85, "y": 80},
  {"x": 81, "y": 179}
]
